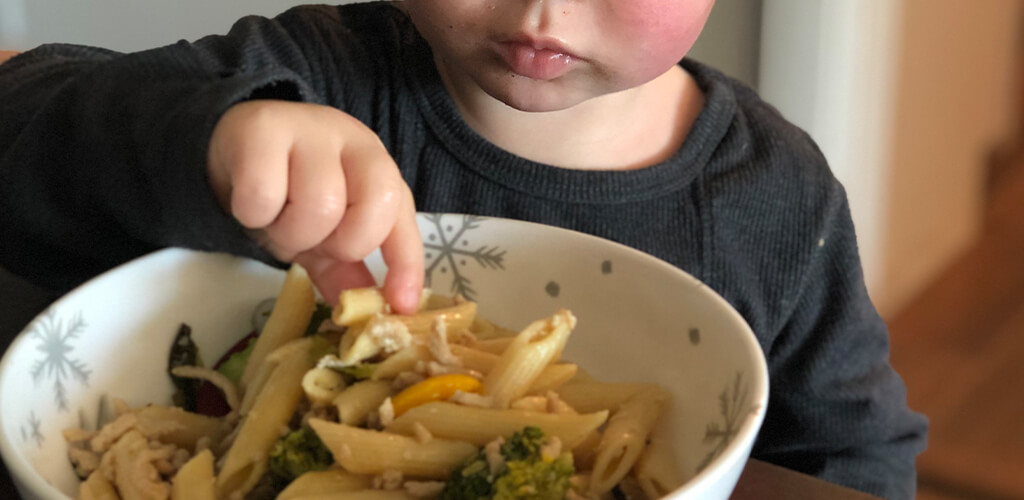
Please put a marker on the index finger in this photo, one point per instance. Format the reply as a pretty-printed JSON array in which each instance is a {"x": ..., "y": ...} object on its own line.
[{"x": 402, "y": 251}]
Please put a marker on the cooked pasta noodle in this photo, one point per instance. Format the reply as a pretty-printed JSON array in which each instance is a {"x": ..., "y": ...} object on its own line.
[{"x": 400, "y": 402}]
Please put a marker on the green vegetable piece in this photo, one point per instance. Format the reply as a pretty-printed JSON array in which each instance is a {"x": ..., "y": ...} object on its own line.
[
  {"x": 470, "y": 482},
  {"x": 360, "y": 371},
  {"x": 296, "y": 453},
  {"x": 524, "y": 445},
  {"x": 526, "y": 475},
  {"x": 234, "y": 366},
  {"x": 320, "y": 314},
  {"x": 184, "y": 353},
  {"x": 535, "y": 479}
]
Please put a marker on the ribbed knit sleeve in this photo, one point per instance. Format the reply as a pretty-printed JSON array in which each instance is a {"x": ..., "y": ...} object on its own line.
[
  {"x": 103, "y": 155},
  {"x": 782, "y": 248}
]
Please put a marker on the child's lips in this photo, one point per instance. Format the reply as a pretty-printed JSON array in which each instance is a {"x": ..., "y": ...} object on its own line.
[{"x": 537, "y": 61}]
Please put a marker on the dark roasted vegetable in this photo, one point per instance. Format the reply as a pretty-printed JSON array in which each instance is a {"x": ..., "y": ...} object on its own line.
[{"x": 184, "y": 353}]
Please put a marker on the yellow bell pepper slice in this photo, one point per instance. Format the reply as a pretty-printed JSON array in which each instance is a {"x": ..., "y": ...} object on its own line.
[{"x": 436, "y": 388}]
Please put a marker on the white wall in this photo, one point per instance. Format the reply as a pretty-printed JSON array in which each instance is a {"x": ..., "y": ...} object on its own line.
[{"x": 125, "y": 25}]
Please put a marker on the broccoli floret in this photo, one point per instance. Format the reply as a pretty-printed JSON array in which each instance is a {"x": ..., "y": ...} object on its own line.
[
  {"x": 525, "y": 475},
  {"x": 524, "y": 445},
  {"x": 535, "y": 479},
  {"x": 296, "y": 453},
  {"x": 471, "y": 482}
]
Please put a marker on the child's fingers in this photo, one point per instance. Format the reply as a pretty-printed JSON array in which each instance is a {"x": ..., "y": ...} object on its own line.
[
  {"x": 403, "y": 254},
  {"x": 331, "y": 276},
  {"x": 316, "y": 199},
  {"x": 376, "y": 193},
  {"x": 252, "y": 158}
]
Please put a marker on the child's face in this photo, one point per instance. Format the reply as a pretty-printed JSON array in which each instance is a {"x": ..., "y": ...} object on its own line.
[{"x": 538, "y": 55}]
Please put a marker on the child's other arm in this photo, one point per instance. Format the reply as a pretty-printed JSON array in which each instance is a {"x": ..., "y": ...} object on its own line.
[{"x": 837, "y": 408}]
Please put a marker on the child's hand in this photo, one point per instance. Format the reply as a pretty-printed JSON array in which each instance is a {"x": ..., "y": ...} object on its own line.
[{"x": 318, "y": 188}]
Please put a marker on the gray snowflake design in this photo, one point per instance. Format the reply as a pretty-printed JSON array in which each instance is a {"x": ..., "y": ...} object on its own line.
[
  {"x": 443, "y": 252},
  {"x": 731, "y": 405},
  {"x": 55, "y": 342},
  {"x": 34, "y": 432}
]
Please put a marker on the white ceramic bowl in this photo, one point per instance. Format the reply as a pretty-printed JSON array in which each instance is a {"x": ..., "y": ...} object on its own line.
[{"x": 640, "y": 319}]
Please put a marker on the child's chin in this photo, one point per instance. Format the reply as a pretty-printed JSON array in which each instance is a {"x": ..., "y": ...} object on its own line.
[{"x": 537, "y": 97}]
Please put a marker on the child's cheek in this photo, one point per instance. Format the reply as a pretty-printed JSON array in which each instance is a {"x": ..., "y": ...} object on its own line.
[{"x": 666, "y": 29}]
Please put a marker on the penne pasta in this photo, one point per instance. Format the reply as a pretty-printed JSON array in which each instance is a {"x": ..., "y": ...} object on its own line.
[
  {"x": 487, "y": 330},
  {"x": 531, "y": 351},
  {"x": 366, "y": 494},
  {"x": 481, "y": 425},
  {"x": 402, "y": 361},
  {"x": 322, "y": 385},
  {"x": 358, "y": 305},
  {"x": 591, "y": 396},
  {"x": 171, "y": 424},
  {"x": 194, "y": 481},
  {"x": 657, "y": 471},
  {"x": 625, "y": 438},
  {"x": 318, "y": 484},
  {"x": 552, "y": 377},
  {"x": 494, "y": 345},
  {"x": 371, "y": 452},
  {"x": 441, "y": 396},
  {"x": 355, "y": 403},
  {"x": 456, "y": 318},
  {"x": 288, "y": 320},
  {"x": 246, "y": 460}
]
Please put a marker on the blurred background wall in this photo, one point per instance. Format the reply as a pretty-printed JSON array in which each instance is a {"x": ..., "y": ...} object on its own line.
[{"x": 906, "y": 98}]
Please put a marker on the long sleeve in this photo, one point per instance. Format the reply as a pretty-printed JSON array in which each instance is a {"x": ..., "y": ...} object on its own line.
[
  {"x": 103, "y": 155},
  {"x": 838, "y": 410}
]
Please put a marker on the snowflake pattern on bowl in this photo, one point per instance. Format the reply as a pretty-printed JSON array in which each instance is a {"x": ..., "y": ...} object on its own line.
[
  {"x": 446, "y": 249},
  {"x": 56, "y": 339}
]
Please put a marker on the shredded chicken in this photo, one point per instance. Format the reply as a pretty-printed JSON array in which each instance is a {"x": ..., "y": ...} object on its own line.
[
  {"x": 551, "y": 449},
  {"x": 424, "y": 489},
  {"x": 386, "y": 413},
  {"x": 388, "y": 333},
  {"x": 111, "y": 432},
  {"x": 135, "y": 472},
  {"x": 388, "y": 480},
  {"x": 556, "y": 405},
  {"x": 214, "y": 377},
  {"x": 472, "y": 399},
  {"x": 530, "y": 403},
  {"x": 492, "y": 452},
  {"x": 438, "y": 344}
]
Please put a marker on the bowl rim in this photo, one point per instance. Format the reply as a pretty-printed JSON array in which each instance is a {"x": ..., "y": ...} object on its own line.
[{"x": 24, "y": 474}]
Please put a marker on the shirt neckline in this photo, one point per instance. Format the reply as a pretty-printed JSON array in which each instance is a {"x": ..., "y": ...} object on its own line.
[{"x": 580, "y": 186}]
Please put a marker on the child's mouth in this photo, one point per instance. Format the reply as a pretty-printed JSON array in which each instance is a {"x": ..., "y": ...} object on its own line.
[{"x": 538, "y": 63}]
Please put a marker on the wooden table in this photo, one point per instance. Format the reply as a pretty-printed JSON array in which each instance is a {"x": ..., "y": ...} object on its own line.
[{"x": 764, "y": 481}]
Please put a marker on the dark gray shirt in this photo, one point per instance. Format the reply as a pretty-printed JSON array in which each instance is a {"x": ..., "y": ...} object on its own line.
[{"x": 102, "y": 159}]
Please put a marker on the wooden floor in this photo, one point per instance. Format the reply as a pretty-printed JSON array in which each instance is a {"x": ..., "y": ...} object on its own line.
[{"x": 960, "y": 349}]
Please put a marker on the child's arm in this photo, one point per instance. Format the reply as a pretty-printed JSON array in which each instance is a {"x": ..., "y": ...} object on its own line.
[
  {"x": 103, "y": 155},
  {"x": 837, "y": 408}
]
